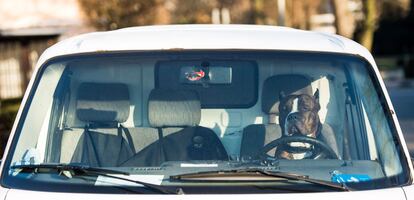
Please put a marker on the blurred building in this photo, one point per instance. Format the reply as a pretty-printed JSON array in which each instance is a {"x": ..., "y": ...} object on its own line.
[{"x": 27, "y": 28}]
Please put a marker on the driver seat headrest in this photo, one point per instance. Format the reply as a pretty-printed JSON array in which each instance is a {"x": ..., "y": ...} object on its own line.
[{"x": 290, "y": 84}]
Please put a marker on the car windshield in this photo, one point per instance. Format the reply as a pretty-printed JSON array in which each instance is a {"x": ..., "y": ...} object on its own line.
[{"x": 191, "y": 118}]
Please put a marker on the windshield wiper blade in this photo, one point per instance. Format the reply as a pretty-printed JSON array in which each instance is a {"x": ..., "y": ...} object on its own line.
[
  {"x": 68, "y": 167},
  {"x": 288, "y": 176},
  {"x": 304, "y": 178},
  {"x": 87, "y": 170}
]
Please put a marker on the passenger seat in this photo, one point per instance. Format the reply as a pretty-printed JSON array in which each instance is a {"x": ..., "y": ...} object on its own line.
[{"x": 103, "y": 141}]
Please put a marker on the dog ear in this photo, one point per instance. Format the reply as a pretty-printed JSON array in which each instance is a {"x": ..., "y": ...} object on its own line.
[
  {"x": 316, "y": 95},
  {"x": 282, "y": 95}
]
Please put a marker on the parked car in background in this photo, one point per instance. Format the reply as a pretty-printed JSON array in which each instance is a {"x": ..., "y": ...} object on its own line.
[{"x": 206, "y": 111}]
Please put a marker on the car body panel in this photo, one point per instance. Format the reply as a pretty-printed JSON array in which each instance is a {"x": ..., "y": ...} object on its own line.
[
  {"x": 187, "y": 37},
  {"x": 409, "y": 191},
  {"x": 395, "y": 193},
  {"x": 3, "y": 192},
  {"x": 214, "y": 37}
]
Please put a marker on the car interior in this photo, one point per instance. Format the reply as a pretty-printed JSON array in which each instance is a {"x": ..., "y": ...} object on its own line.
[{"x": 150, "y": 113}]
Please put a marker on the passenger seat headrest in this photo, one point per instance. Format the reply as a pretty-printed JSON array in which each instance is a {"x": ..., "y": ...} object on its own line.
[
  {"x": 288, "y": 83},
  {"x": 173, "y": 108},
  {"x": 102, "y": 102}
]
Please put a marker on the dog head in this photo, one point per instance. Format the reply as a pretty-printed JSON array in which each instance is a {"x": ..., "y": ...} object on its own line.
[{"x": 299, "y": 114}]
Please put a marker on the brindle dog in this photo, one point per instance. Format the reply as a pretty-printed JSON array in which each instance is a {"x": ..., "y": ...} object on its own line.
[{"x": 299, "y": 117}]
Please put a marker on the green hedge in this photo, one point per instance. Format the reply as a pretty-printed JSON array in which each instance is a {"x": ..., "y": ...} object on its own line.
[{"x": 8, "y": 111}]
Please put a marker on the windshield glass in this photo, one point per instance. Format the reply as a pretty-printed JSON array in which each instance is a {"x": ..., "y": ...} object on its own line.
[{"x": 151, "y": 116}]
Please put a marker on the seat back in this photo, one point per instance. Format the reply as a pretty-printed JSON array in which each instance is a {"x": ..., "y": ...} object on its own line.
[
  {"x": 103, "y": 142},
  {"x": 175, "y": 114}
]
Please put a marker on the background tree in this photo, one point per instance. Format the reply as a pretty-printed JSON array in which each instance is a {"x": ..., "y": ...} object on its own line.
[
  {"x": 193, "y": 12},
  {"x": 258, "y": 15},
  {"x": 114, "y": 14},
  {"x": 369, "y": 23},
  {"x": 299, "y": 12},
  {"x": 344, "y": 20},
  {"x": 394, "y": 31}
]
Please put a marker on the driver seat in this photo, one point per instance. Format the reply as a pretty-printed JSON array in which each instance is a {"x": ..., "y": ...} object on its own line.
[{"x": 256, "y": 136}]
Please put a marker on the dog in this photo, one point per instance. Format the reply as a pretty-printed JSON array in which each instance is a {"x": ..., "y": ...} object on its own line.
[{"x": 299, "y": 117}]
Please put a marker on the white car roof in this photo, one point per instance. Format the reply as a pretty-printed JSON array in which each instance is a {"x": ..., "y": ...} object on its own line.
[{"x": 171, "y": 37}]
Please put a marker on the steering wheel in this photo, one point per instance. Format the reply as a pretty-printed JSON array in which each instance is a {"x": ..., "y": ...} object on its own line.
[{"x": 319, "y": 149}]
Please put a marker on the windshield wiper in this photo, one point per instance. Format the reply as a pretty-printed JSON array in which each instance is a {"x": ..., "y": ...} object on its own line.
[
  {"x": 255, "y": 171},
  {"x": 68, "y": 167},
  {"x": 81, "y": 170}
]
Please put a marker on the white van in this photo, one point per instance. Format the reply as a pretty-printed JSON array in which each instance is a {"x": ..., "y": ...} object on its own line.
[{"x": 206, "y": 111}]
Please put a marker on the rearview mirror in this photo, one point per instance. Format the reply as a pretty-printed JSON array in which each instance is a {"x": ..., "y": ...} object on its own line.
[{"x": 209, "y": 75}]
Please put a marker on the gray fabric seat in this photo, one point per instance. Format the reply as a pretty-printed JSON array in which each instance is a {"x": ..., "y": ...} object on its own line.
[
  {"x": 103, "y": 142},
  {"x": 256, "y": 136},
  {"x": 175, "y": 114},
  {"x": 141, "y": 137}
]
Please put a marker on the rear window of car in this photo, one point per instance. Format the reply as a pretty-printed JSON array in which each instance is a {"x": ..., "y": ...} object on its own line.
[{"x": 219, "y": 83}]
